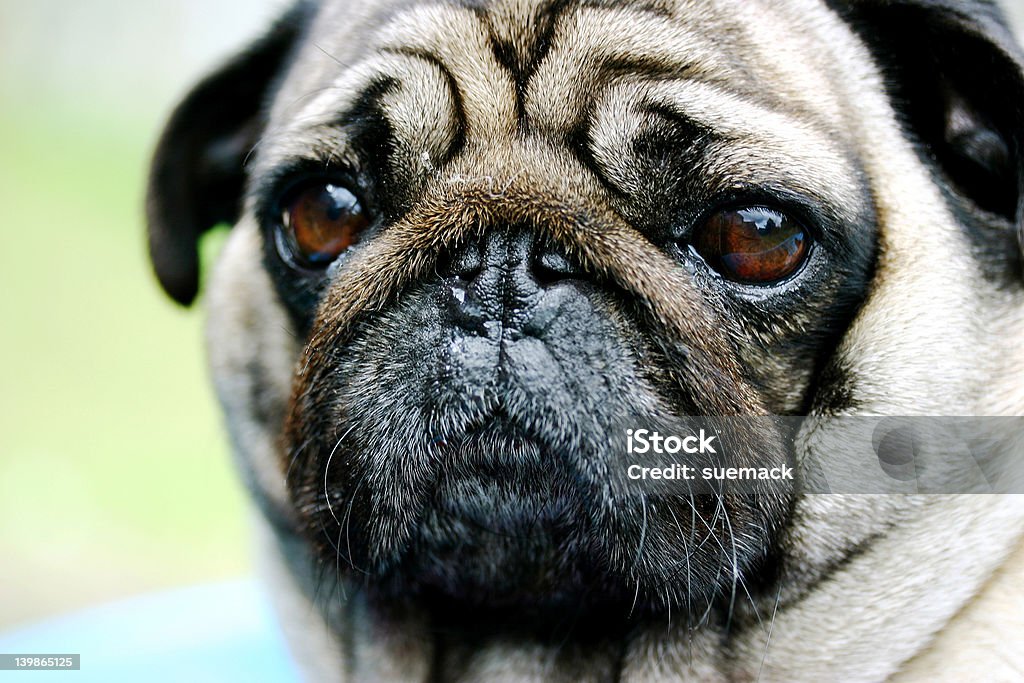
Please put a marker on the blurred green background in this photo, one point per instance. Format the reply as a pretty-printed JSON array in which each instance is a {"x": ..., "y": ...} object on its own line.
[
  {"x": 115, "y": 476},
  {"x": 114, "y": 471}
]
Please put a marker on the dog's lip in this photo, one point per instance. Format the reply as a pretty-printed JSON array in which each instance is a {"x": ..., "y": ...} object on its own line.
[
  {"x": 502, "y": 504},
  {"x": 491, "y": 442},
  {"x": 497, "y": 450}
]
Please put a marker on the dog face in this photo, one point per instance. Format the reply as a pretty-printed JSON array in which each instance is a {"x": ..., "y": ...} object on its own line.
[{"x": 475, "y": 244}]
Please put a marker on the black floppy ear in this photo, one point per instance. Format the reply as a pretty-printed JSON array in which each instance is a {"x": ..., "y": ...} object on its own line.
[
  {"x": 196, "y": 179},
  {"x": 956, "y": 74}
]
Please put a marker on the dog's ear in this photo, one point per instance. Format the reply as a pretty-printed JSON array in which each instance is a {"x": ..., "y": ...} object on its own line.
[
  {"x": 196, "y": 179},
  {"x": 956, "y": 75}
]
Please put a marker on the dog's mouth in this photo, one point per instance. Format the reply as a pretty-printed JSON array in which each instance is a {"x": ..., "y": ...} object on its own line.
[
  {"x": 504, "y": 522},
  {"x": 503, "y": 482}
]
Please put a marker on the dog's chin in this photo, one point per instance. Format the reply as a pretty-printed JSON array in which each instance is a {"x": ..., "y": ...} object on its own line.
[{"x": 504, "y": 526}]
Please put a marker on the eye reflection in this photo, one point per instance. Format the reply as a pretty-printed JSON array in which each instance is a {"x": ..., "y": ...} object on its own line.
[
  {"x": 320, "y": 222},
  {"x": 754, "y": 245}
]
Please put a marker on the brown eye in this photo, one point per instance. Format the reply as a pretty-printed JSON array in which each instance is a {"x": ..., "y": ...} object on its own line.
[
  {"x": 321, "y": 221},
  {"x": 753, "y": 245}
]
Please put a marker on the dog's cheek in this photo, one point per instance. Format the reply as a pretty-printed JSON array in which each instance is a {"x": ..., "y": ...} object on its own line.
[{"x": 251, "y": 353}]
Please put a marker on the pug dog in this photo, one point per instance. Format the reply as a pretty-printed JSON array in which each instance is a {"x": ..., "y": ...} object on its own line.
[{"x": 473, "y": 243}]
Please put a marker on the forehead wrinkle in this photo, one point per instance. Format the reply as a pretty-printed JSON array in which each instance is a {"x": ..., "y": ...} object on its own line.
[
  {"x": 617, "y": 121},
  {"x": 787, "y": 146},
  {"x": 289, "y": 132},
  {"x": 457, "y": 38},
  {"x": 420, "y": 107},
  {"x": 520, "y": 25},
  {"x": 422, "y": 112},
  {"x": 587, "y": 41}
]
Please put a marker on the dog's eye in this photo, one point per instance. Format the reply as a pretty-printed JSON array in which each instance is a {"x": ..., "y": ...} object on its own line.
[
  {"x": 320, "y": 221},
  {"x": 753, "y": 245}
]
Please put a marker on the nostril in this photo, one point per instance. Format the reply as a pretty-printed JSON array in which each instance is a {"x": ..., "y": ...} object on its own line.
[
  {"x": 466, "y": 261},
  {"x": 551, "y": 265}
]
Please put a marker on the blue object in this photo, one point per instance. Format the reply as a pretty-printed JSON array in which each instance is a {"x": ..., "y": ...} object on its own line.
[{"x": 218, "y": 633}]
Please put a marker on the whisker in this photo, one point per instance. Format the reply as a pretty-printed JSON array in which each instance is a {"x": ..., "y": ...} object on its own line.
[
  {"x": 327, "y": 470},
  {"x": 294, "y": 458},
  {"x": 735, "y": 564},
  {"x": 639, "y": 550},
  {"x": 771, "y": 626},
  {"x": 347, "y": 526}
]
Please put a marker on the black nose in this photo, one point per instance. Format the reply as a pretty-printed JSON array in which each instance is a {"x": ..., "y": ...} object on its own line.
[{"x": 510, "y": 279}]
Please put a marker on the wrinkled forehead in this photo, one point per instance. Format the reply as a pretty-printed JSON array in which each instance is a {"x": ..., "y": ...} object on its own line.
[
  {"x": 543, "y": 62},
  {"x": 494, "y": 82}
]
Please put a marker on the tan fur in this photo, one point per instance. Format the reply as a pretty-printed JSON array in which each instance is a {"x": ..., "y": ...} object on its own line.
[
  {"x": 259, "y": 320},
  {"x": 983, "y": 639}
]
